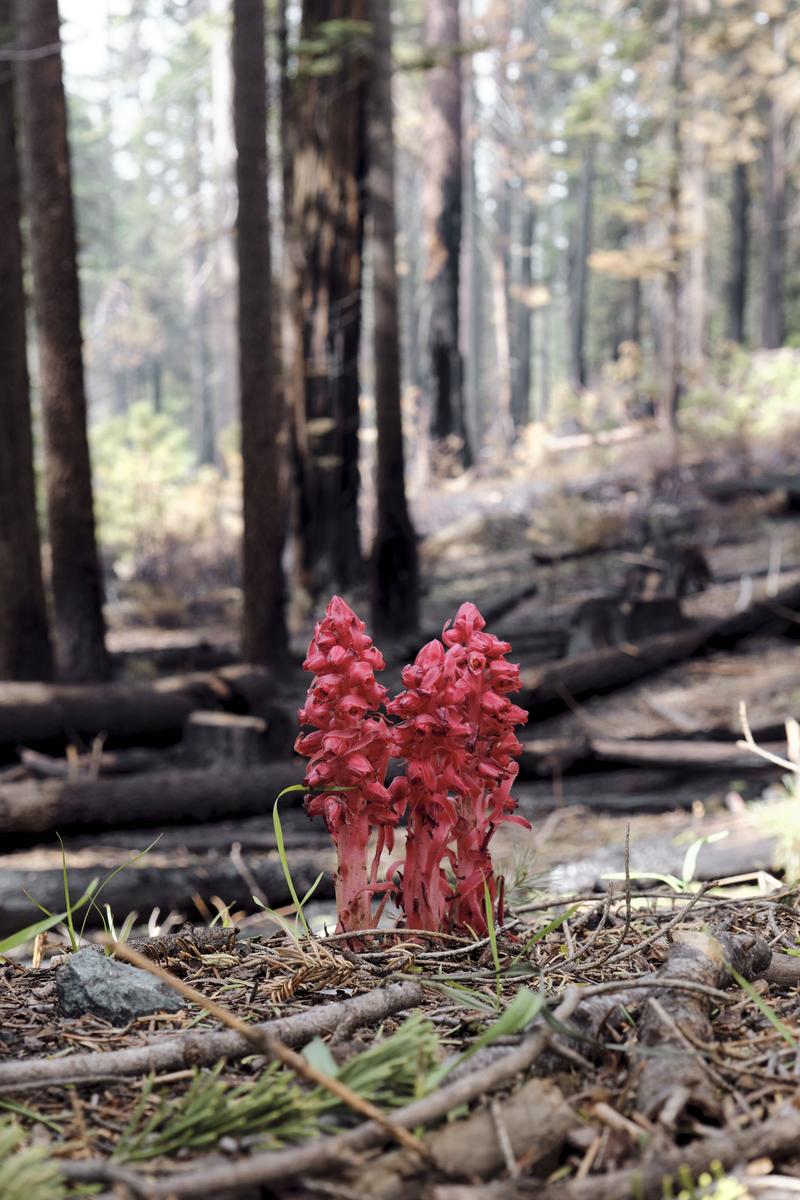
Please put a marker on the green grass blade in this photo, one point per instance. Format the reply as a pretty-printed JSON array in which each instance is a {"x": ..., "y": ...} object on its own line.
[
  {"x": 276, "y": 824},
  {"x": 763, "y": 1007}
]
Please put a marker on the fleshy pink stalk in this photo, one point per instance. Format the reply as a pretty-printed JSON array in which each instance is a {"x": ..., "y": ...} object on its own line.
[
  {"x": 491, "y": 769},
  {"x": 349, "y": 752},
  {"x": 457, "y": 735}
]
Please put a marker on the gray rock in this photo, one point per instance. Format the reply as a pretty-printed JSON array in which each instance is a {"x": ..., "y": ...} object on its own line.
[{"x": 89, "y": 982}]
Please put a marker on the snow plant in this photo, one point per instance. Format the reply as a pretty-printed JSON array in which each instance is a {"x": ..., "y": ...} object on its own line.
[
  {"x": 349, "y": 750},
  {"x": 454, "y": 729}
]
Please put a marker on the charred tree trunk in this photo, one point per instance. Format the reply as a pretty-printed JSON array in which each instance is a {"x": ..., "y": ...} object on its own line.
[
  {"x": 579, "y": 273},
  {"x": 740, "y": 250},
  {"x": 327, "y": 234},
  {"x": 394, "y": 575},
  {"x": 263, "y": 629},
  {"x": 669, "y": 399},
  {"x": 773, "y": 320},
  {"x": 24, "y": 640},
  {"x": 442, "y": 204},
  {"x": 77, "y": 581}
]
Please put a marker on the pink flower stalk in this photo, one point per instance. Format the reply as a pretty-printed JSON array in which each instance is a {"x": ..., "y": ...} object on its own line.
[
  {"x": 349, "y": 749},
  {"x": 457, "y": 736},
  {"x": 491, "y": 769}
]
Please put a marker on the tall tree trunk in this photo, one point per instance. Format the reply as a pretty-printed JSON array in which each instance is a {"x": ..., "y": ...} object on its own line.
[
  {"x": 697, "y": 267},
  {"x": 327, "y": 234},
  {"x": 669, "y": 398},
  {"x": 394, "y": 574},
  {"x": 579, "y": 273},
  {"x": 470, "y": 293},
  {"x": 76, "y": 576},
  {"x": 740, "y": 252},
  {"x": 773, "y": 321},
  {"x": 201, "y": 366},
  {"x": 24, "y": 640},
  {"x": 222, "y": 300},
  {"x": 502, "y": 424},
  {"x": 523, "y": 317},
  {"x": 442, "y": 204},
  {"x": 263, "y": 630}
]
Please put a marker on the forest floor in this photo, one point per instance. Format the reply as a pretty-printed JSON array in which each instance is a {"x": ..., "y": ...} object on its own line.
[{"x": 631, "y": 1031}]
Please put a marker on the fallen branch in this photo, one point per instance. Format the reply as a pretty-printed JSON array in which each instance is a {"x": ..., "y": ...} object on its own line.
[
  {"x": 535, "y": 1120},
  {"x": 202, "y": 1047},
  {"x": 774, "y": 1138},
  {"x": 674, "y": 1075},
  {"x": 211, "y": 1178},
  {"x": 266, "y": 1043}
]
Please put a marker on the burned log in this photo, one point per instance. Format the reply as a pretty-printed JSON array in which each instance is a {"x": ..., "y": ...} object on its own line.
[
  {"x": 221, "y": 737},
  {"x": 155, "y": 881},
  {"x": 551, "y": 688},
  {"x": 48, "y": 716},
  {"x": 156, "y": 798}
]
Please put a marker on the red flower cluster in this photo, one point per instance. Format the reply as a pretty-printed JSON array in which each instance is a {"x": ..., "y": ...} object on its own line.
[
  {"x": 456, "y": 733},
  {"x": 349, "y": 751}
]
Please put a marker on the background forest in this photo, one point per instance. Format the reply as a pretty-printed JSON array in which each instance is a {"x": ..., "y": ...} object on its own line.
[{"x": 594, "y": 205}]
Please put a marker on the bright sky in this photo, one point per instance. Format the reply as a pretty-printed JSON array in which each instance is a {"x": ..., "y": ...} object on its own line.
[{"x": 84, "y": 37}]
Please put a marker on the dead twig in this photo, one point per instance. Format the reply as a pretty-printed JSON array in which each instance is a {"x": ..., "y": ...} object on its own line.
[
  {"x": 266, "y": 1043},
  {"x": 210, "y": 1178},
  {"x": 201, "y": 1047}
]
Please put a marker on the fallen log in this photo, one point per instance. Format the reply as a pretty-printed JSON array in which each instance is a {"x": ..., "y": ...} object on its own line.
[
  {"x": 551, "y": 688},
  {"x": 705, "y": 755},
  {"x": 45, "y": 805},
  {"x": 155, "y": 881},
  {"x": 674, "y": 1022},
  {"x": 48, "y": 716},
  {"x": 251, "y": 833},
  {"x": 118, "y": 762},
  {"x": 726, "y": 490}
]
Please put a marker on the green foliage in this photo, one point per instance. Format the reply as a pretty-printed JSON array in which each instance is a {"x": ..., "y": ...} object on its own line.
[
  {"x": 140, "y": 460},
  {"x": 750, "y": 395},
  {"x": 26, "y": 1172},
  {"x": 275, "y": 1108}
]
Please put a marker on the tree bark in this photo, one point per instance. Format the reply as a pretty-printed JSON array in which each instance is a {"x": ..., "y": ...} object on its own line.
[
  {"x": 442, "y": 213},
  {"x": 327, "y": 236},
  {"x": 579, "y": 272},
  {"x": 76, "y": 576},
  {"x": 394, "y": 571},
  {"x": 773, "y": 317},
  {"x": 740, "y": 251},
  {"x": 262, "y": 416},
  {"x": 24, "y": 639}
]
